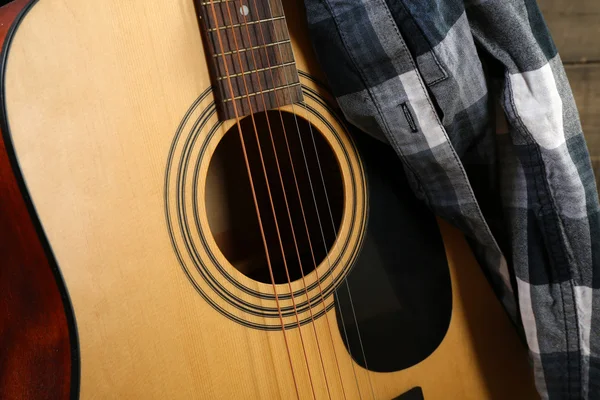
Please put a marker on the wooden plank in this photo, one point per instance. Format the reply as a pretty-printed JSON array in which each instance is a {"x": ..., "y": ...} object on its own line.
[
  {"x": 575, "y": 27},
  {"x": 596, "y": 166},
  {"x": 585, "y": 82}
]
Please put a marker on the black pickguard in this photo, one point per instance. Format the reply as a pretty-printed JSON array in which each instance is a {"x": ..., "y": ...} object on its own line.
[{"x": 400, "y": 284}]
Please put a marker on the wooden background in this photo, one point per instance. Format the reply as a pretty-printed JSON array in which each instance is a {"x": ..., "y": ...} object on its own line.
[{"x": 575, "y": 27}]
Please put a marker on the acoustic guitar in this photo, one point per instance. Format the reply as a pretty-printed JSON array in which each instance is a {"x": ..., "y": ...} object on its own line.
[{"x": 214, "y": 226}]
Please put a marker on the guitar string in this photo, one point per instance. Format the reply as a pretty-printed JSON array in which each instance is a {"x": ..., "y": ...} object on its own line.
[
  {"x": 345, "y": 280},
  {"x": 312, "y": 189},
  {"x": 327, "y": 256},
  {"x": 334, "y": 230},
  {"x": 239, "y": 128},
  {"x": 268, "y": 186},
  {"x": 318, "y": 279},
  {"x": 264, "y": 42},
  {"x": 319, "y": 217}
]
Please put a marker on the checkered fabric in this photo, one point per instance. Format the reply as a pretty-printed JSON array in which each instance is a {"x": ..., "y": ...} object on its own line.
[{"x": 473, "y": 97}]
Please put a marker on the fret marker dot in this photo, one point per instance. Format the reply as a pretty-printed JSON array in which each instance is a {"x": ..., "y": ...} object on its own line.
[{"x": 244, "y": 10}]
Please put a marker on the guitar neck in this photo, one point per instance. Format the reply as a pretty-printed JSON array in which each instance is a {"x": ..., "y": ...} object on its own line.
[{"x": 250, "y": 54}]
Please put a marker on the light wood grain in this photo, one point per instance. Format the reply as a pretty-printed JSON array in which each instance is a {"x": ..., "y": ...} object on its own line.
[
  {"x": 95, "y": 93},
  {"x": 575, "y": 28}
]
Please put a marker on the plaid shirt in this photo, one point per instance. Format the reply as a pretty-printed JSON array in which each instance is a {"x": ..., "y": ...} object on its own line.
[{"x": 473, "y": 97}]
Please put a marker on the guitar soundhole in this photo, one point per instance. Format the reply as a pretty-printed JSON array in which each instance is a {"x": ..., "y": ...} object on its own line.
[{"x": 312, "y": 186}]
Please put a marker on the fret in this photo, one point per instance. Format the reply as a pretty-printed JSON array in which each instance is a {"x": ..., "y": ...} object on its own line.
[
  {"x": 239, "y": 37},
  {"x": 249, "y": 41},
  {"x": 208, "y": 3},
  {"x": 257, "y": 70},
  {"x": 272, "y": 99},
  {"x": 243, "y": 24},
  {"x": 253, "y": 60},
  {"x": 274, "y": 4},
  {"x": 261, "y": 92},
  {"x": 231, "y": 12},
  {"x": 255, "y": 81},
  {"x": 262, "y": 46}
]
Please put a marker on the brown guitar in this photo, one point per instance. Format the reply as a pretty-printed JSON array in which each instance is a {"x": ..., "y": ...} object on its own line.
[{"x": 187, "y": 215}]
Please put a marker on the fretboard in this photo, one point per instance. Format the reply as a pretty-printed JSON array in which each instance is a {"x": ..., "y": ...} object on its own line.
[{"x": 250, "y": 53}]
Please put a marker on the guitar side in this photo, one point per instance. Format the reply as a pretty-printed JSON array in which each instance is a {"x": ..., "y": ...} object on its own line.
[{"x": 38, "y": 343}]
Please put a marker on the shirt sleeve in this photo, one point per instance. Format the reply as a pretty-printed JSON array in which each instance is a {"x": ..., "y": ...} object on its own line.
[
  {"x": 525, "y": 196},
  {"x": 552, "y": 208}
]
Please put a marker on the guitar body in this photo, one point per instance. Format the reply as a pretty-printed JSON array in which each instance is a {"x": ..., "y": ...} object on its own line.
[{"x": 139, "y": 188}]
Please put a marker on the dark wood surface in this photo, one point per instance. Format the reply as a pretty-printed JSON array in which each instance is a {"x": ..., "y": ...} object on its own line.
[
  {"x": 585, "y": 82},
  {"x": 575, "y": 28},
  {"x": 249, "y": 48},
  {"x": 35, "y": 355}
]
